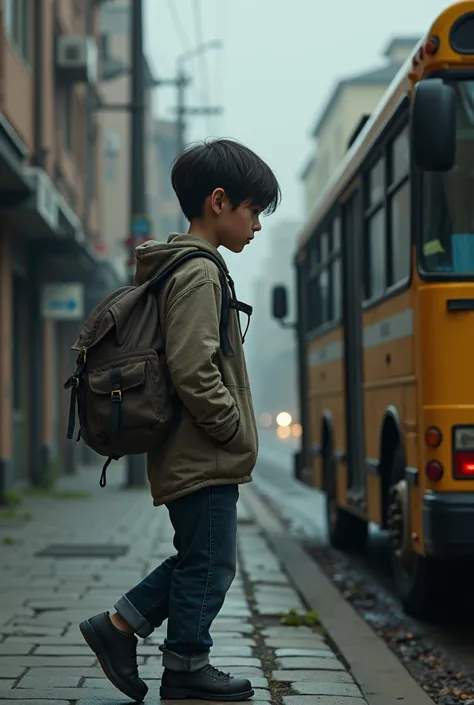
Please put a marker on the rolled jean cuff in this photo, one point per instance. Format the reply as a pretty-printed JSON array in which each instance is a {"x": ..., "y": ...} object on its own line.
[
  {"x": 132, "y": 616},
  {"x": 177, "y": 662}
]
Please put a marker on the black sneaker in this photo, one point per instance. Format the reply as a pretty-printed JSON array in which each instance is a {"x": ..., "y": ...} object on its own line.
[
  {"x": 117, "y": 654},
  {"x": 206, "y": 684}
]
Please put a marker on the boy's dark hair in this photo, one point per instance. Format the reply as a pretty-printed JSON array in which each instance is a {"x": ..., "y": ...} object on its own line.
[{"x": 226, "y": 164}]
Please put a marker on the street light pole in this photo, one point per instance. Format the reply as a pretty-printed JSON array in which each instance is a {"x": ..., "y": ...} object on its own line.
[{"x": 136, "y": 467}]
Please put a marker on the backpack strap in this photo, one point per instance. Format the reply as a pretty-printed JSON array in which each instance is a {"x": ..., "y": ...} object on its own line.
[{"x": 226, "y": 283}]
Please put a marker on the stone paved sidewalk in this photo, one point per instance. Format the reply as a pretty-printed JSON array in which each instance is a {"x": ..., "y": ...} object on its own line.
[{"x": 43, "y": 659}]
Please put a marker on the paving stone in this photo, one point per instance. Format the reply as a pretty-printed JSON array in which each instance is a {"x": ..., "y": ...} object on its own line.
[
  {"x": 37, "y": 679},
  {"x": 37, "y": 702},
  {"x": 309, "y": 662},
  {"x": 310, "y": 676},
  {"x": 104, "y": 695},
  {"x": 51, "y": 661},
  {"x": 68, "y": 672},
  {"x": 282, "y": 632},
  {"x": 320, "y": 653},
  {"x": 225, "y": 625},
  {"x": 70, "y": 639},
  {"x": 11, "y": 671},
  {"x": 314, "y": 641},
  {"x": 62, "y": 650},
  {"x": 4, "y": 683},
  {"x": 340, "y": 689},
  {"x": 261, "y": 694},
  {"x": 321, "y": 700},
  {"x": 233, "y": 661},
  {"x": 219, "y": 650},
  {"x": 10, "y": 648}
]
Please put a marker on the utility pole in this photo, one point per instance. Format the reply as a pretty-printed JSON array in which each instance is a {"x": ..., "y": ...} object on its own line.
[
  {"x": 139, "y": 223},
  {"x": 182, "y": 109}
]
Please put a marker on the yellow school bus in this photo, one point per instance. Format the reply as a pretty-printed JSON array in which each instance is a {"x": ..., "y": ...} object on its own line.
[{"x": 385, "y": 325}]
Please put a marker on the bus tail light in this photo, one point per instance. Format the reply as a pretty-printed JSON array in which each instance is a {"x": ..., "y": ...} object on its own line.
[
  {"x": 463, "y": 442},
  {"x": 434, "y": 471},
  {"x": 464, "y": 465}
]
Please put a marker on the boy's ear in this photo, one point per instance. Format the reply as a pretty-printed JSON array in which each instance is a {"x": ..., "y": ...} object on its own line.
[{"x": 217, "y": 200}]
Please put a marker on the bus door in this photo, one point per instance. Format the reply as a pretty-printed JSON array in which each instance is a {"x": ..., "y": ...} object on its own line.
[{"x": 353, "y": 362}]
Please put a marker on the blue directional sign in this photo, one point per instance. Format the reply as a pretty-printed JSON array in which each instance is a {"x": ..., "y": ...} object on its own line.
[
  {"x": 62, "y": 301},
  {"x": 140, "y": 226}
]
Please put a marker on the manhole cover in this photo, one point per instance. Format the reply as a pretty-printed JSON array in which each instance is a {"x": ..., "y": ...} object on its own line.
[{"x": 78, "y": 550}]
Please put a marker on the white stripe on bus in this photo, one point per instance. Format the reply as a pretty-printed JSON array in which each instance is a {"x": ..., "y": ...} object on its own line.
[{"x": 393, "y": 328}]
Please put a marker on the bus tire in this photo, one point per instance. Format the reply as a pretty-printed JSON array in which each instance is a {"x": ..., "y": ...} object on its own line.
[
  {"x": 346, "y": 532},
  {"x": 419, "y": 580}
]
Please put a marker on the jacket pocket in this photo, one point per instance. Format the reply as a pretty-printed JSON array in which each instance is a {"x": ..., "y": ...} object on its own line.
[{"x": 238, "y": 456}]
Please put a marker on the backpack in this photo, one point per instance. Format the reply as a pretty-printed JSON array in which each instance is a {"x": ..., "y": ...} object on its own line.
[{"x": 125, "y": 400}]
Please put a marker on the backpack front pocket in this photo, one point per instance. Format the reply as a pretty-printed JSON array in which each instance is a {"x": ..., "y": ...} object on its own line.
[{"x": 123, "y": 398}]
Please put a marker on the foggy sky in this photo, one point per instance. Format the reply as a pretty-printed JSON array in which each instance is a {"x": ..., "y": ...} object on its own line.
[{"x": 280, "y": 60}]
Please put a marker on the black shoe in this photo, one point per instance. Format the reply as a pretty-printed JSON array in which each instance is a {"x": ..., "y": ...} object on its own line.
[
  {"x": 117, "y": 654},
  {"x": 206, "y": 684}
]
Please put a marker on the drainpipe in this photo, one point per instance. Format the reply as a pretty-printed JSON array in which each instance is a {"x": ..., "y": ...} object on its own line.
[{"x": 40, "y": 152}]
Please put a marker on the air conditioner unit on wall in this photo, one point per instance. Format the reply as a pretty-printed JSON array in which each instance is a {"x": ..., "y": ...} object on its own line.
[
  {"x": 77, "y": 59},
  {"x": 47, "y": 201}
]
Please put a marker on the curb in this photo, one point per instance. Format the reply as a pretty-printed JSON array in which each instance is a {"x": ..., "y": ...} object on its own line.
[{"x": 381, "y": 677}]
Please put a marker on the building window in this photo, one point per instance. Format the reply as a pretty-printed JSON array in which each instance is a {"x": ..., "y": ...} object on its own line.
[{"x": 17, "y": 16}]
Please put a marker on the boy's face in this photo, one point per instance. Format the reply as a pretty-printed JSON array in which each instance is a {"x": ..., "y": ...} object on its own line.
[{"x": 236, "y": 227}]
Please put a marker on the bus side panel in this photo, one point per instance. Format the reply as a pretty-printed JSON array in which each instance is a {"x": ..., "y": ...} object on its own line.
[
  {"x": 326, "y": 393},
  {"x": 388, "y": 380}
]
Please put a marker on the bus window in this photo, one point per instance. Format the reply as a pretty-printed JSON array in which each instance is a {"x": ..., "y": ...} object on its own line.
[
  {"x": 377, "y": 254},
  {"x": 448, "y": 205},
  {"x": 400, "y": 232}
]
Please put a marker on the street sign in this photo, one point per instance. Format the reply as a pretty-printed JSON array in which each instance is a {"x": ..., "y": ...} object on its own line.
[
  {"x": 140, "y": 226},
  {"x": 62, "y": 302}
]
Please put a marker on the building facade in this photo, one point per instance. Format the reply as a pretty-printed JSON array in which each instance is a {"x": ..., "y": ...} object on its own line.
[
  {"x": 50, "y": 274},
  {"x": 351, "y": 102}
]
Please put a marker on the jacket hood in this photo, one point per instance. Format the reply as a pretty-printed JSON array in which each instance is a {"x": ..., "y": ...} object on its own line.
[{"x": 153, "y": 257}]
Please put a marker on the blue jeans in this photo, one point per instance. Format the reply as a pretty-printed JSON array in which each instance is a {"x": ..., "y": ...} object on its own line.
[{"x": 189, "y": 588}]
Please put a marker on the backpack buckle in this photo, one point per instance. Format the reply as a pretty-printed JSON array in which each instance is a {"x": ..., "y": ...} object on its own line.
[{"x": 116, "y": 395}]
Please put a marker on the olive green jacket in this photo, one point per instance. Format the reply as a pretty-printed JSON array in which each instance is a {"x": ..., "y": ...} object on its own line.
[{"x": 216, "y": 440}]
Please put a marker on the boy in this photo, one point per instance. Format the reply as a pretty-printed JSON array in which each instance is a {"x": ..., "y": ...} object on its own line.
[{"x": 222, "y": 188}]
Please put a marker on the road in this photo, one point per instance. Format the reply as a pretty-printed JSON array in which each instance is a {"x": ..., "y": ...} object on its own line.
[
  {"x": 304, "y": 508},
  {"x": 299, "y": 504}
]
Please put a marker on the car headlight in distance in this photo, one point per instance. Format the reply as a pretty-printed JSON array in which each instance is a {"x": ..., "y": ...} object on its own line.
[{"x": 284, "y": 419}]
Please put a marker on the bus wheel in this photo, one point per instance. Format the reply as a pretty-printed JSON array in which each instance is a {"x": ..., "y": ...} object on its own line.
[
  {"x": 418, "y": 579},
  {"x": 346, "y": 531}
]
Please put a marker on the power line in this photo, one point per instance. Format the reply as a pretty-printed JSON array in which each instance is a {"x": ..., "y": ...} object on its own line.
[
  {"x": 205, "y": 82},
  {"x": 178, "y": 25}
]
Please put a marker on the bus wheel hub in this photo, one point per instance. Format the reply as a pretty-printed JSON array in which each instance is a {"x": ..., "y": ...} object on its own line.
[{"x": 398, "y": 522}]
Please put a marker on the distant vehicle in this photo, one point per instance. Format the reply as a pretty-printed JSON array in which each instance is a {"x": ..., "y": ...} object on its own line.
[
  {"x": 385, "y": 324},
  {"x": 283, "y": 423}
]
